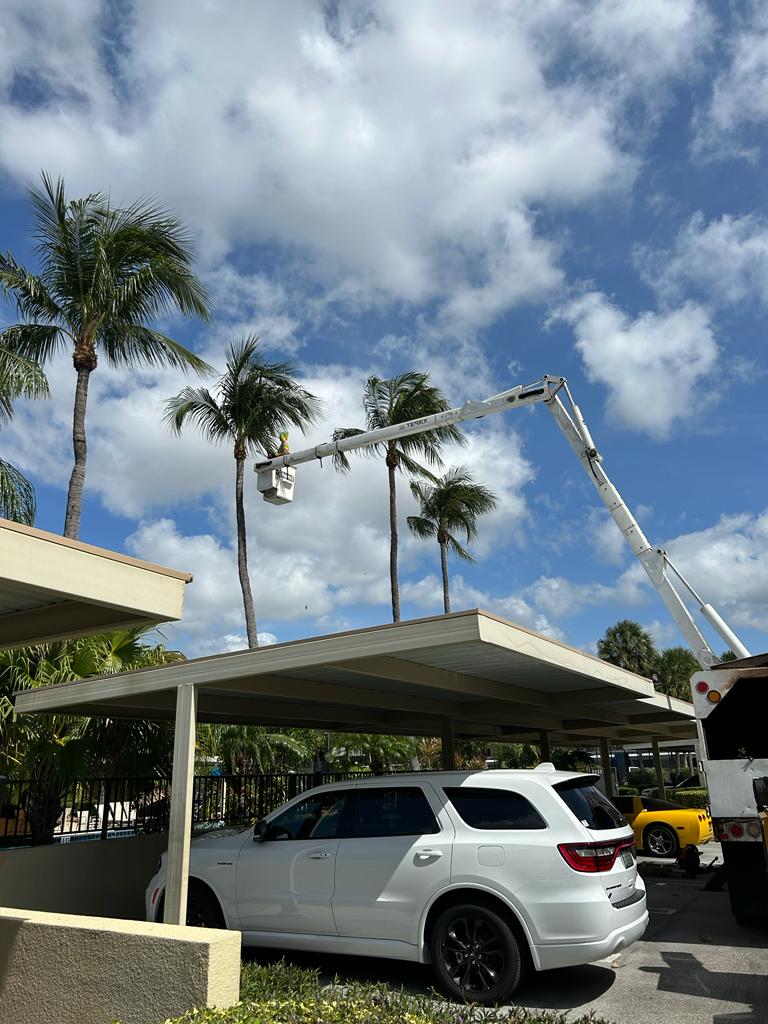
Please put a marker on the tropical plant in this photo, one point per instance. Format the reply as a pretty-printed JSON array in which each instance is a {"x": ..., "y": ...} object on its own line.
[
  {"x": 105, "y": 273},
  {"x": 408, "y": 396},
  {"x": 19, "y": 378},
  {"x": 630, "y": 647},
  {"x": 674, "y": 668},
  {"x": 255, "y": 749},
  {"x": 55, "y": 750},
  {"x": 378, "y": 751},
  {"x": 728, "y": 655},
  {"x": 449, "y": 506},
  {"x": 254, "y": 403}
]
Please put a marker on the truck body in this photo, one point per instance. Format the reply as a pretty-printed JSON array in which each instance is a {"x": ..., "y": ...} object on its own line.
[{"x": 730, "y": 700}]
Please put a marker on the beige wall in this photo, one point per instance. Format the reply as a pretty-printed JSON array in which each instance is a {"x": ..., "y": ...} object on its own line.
[
  {"x": 86, "y": 970},
  {"x": 102, "y": 879}
]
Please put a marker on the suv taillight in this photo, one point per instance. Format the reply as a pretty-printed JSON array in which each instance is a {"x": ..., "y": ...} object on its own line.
[{"x": 594, "y": 857}]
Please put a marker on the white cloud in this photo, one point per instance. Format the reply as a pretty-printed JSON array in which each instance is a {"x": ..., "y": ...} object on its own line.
[
  {"x": 427, "y": 593},
  {"x": 725, "y": 261},
  {"x": 724, "y": 128},
  {"x": 650, "y": 365},
  {"x": 394, "y": 151},
  {"x": 608, "y": 542}
]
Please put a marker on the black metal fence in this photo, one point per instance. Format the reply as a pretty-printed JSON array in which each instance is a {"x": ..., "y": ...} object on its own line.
[{"x": 33, "y": 811}]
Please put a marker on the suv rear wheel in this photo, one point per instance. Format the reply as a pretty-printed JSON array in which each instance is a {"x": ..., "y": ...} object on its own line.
[{"x": 476, "y": 956}]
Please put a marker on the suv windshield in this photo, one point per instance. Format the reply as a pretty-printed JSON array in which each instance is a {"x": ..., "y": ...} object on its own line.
[{"x": 588, "y": 804}]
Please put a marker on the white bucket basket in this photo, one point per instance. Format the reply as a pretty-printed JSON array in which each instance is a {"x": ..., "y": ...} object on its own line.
[{"x": 276, "y": 485}]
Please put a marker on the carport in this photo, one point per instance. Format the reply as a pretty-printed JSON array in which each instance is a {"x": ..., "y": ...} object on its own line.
[
  {"x": 465, "y": 675},
  {"x": 52, "y": 588}
]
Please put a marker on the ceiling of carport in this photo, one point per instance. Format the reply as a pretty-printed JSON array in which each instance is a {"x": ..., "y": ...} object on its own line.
[{"x": 491, "y": 678}]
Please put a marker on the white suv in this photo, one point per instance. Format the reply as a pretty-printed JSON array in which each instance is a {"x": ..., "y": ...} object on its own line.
[{"x": 480, "y": 873}]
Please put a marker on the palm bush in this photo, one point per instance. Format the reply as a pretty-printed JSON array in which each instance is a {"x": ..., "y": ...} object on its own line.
[{"x": 19, "y": 378}]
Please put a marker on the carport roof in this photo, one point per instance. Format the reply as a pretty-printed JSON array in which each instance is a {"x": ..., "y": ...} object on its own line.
[
  {"x": 491, "y": 678},
  {"x": 52, "y": 587}
]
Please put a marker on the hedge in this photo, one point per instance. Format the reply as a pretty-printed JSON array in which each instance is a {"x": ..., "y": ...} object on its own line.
[
  {"x": 282, "y": 993},
  {"x": 698, "y": 798}
]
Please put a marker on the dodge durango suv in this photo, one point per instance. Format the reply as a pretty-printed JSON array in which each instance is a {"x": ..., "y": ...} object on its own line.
[{"x": 481, "y": 874}]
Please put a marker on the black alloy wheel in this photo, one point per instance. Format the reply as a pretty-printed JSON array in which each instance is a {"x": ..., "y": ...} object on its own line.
[
  {"x": 660, "y": 841},
  {"x": 475, "y": 955}
]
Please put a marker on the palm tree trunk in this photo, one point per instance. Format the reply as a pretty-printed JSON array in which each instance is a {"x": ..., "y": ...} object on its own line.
[
  {"x": 80, "y": 447},
  {"x": 395, "y": 586},
  {"x": 444, "y": 567},
  {"x": 242, "y": 556}
]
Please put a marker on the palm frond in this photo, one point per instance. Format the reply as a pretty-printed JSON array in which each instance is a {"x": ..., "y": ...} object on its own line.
[
  {"x": 17, "y": 495},
  {"x": 341, "y": 461},
  {"x": 19, "y": 378},
  {"x": 133, "y": 344},
  {"x": 201, "y": 407},
  {"x": 422, "y": 527},
  {"x": 32, "y": 298},
  {"x": 35, "y": 342},
  {"x": 457, "y": 549}
]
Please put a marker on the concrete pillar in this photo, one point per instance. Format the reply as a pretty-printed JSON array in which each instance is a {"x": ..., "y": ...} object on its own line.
[
  {"x": 605, "y": 761},
  {"x": 449, "y": 753},
  {"x": 180, "y": 825},
  {"x": 659, "y": 771},
  {"x": 546, "y": 754}
]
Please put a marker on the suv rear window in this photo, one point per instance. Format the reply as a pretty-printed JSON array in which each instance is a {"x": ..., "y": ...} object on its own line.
[
  {"x": 494, "y": 808},
  {"x": 588, "y": 804}
]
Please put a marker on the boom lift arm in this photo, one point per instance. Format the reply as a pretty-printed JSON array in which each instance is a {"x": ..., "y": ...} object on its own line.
[{"x": 276, "y": 480}]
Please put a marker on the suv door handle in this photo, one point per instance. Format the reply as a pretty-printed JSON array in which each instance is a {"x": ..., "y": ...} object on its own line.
[
  {"x": 424, "y": 854},
  {"x": 318, "y": 855}
]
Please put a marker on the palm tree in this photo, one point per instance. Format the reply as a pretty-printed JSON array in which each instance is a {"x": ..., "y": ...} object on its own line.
[
  {"x": 450, "y": 505},
  {"x": 674, "y": 668},
  {"x": 408, "y": 396},
  {"x": 105, "y": 273},
  {"x": 19, "y": 378},
  {"x": 254, "y": 404},
  {"x": 630, "y": 647}
]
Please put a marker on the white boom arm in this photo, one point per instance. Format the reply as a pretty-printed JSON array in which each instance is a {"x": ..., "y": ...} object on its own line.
[{"x": 276, "y": 478}]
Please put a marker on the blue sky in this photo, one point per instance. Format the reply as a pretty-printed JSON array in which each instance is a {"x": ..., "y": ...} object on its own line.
[{"x": 488, "y": 191}]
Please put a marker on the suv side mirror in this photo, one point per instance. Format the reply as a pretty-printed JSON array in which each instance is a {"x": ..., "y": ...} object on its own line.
[{"x": 260, "y": 831}]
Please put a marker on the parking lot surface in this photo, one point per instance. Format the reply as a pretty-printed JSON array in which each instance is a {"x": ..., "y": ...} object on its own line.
[{"x": 694, "y": 965}]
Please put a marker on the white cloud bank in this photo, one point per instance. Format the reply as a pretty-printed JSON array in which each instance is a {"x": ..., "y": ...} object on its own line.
[{"x": 651, "y": 365}]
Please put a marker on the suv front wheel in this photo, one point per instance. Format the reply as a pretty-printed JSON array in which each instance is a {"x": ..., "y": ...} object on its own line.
[{"x": 476, "y": 956}]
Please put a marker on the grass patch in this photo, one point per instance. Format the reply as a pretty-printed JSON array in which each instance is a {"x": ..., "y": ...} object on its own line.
[{"x": 282, "y": 993}]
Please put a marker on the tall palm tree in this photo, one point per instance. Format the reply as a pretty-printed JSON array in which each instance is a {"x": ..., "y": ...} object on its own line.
[
  {"x": 19, "y": 378},
  {"x": 449, "y": 506},
  {"x": 408, "y": 396},
  {"x": 105, "y": 273},
  {"x": 629, "y": 646},
  {"x": 254, "y": 403}
]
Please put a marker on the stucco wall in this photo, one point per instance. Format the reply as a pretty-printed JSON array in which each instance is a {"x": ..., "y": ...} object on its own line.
[
  {"x": 103, "y": 879},
  {"x": 85, "y": 970}
]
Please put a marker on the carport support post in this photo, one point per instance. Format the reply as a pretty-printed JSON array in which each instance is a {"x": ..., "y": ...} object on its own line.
[
  {"x": 605, "y": 760},
  {"x": 659, "y": 771},
  {"x": 448, "y": 751},
  {"x": 180, "y": 825}
]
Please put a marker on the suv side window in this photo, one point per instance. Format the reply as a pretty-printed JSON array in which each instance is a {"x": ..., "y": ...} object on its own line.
[
  {"x": 588, "y": 805},
  {"x": 494, "y": 808},
  {"x": 395, "y": 811},
  {"x": 317, "y": 817}
]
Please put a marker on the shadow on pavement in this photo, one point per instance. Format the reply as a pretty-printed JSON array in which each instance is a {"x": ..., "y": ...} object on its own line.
[
  {"x": 566, "y": 988},
  {"x": 684, "y": 974}
]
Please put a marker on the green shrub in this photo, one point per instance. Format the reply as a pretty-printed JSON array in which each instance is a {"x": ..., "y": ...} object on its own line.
[
  {"x": 281, "y": 993},
  {"x": 629, "y": 791},
  {"x": 690, "y": 797}
]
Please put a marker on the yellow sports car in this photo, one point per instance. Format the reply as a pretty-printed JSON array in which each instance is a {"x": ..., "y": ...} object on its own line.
[{"x": 661, "y": 828}]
